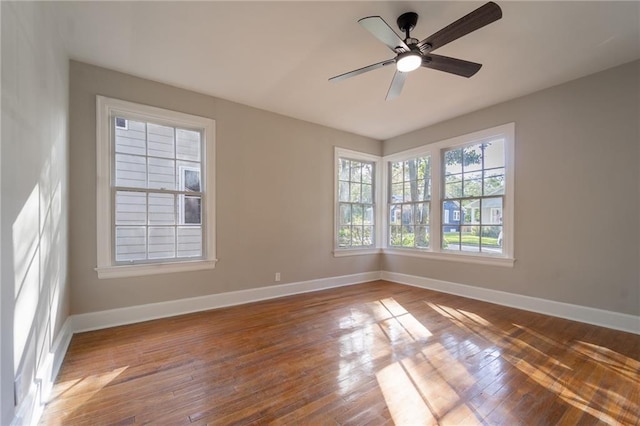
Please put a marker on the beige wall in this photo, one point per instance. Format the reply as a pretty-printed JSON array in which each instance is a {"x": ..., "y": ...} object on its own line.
[
  {"x": 274, "y": 196},
  {"x": 577, "y": 215},
  {"x": 34, "y": 295}
]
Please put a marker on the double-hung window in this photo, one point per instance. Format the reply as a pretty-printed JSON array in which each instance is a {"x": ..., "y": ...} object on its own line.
[
  {"x": 409, "y": 195},
  {"x": 155, "y": 188},
  {"x": 356, "y": 202},
  {"x": 453, "y": 199}
]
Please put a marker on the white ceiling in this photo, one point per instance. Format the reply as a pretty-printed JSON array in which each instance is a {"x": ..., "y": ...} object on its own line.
[{"x": 278, "y": 56}]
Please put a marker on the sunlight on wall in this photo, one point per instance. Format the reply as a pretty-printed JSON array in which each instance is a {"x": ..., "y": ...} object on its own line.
[{"x": 27, "y": 273}]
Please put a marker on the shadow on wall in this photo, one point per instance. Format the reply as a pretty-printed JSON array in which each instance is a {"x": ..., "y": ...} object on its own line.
[{"x": 39, "y": 256}]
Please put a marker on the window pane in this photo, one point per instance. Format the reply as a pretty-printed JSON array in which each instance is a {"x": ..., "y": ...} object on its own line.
[
  {"x": 407, "y": 214},
  {"x": 356, "y": 236},
  {"x": 491, "y": 211},
  {"x": 343, "y": 191},
  {"x": 472, "y": 184},
  {"x": 345, "y": 214},
  {"x": 470, "y": 238},
  {"x": 160, "y": 141},
  {"x": 131, "y": 243},
  {"x": 356, "y": 190},
  {"x": 344, "y": 236},
  {"x": 161, "y": 173},
  {"x": 191, "y": 209},
  {"x": 397, "y": 191},
  {"x": 491, "y": 239},
  {"x": 368, "y": 215},
  {"x": 422, "y": 236},
  {"x": 367, "y": 173},
  {"x": 494, "y": 182},
  {"x": 344, "y": 172},
  {"x": 189, "y": 241},
  {"x": 471, "y": 211},
  {"x": 188, "y": 176},
  {"x": 472, "y": 158},
  {"x": 422, "y": 214},
  {"x": 367, "y": 235},
  {"x": 162, "y": 242},
  {"x": 450, "y": 238},
  {"x": 131, "y": 208},
  {"x": 188, "y": 145},
  {"x": 453, "y": 162},
  {"x": 453, "y": 186},
  {"x": 396, "y": 172},
  {"x": 408, "y": 237},
  {"x": 395, "y": 214},
  {"x": 357, "y": 214},
  {"x": 356, "y": 172},
  {"x": 395, "y": 237},
  {"x": 162, "y": 209},
  {"x": 367, "y": 193},
  {"x": 131, "y": 171},
  {"x": 494, "y": 154},
  {"x": 132, "y": 139},
  {"x": 422, "y": 192},
  {"x": 451, "y": 213}
]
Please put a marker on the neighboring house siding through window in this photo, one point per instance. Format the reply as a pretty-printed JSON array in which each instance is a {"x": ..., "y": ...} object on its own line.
[{"x": 160, "y": 203}]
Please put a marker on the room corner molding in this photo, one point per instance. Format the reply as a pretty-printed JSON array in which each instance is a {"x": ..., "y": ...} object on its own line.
[{"x": 585, "y": 314}]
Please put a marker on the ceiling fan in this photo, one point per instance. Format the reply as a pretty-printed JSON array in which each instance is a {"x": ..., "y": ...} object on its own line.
[{"x": 412, "y": 54}]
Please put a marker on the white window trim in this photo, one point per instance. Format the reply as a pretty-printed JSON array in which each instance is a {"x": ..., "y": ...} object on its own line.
[
  {"x": 107, "y": 107},
  {"x": 435, "y": 151},
  {"x": 378, "y": 203}
]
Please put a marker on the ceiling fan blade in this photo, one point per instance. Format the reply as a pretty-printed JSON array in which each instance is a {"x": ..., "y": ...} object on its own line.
[
  {"x": 362, "y": 70},
  {"x": 383, "y": 32},
  {"x": 477, "y": 19},
  {"x": 396, "y": 84},
  {"x": 450, "y": 65}
]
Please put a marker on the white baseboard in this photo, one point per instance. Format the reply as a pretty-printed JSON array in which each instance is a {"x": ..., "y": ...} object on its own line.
[
  {"x": 32, "y": 406},
  {"x": 133, "y": 314},
  {"x": 600, "y": 317}
]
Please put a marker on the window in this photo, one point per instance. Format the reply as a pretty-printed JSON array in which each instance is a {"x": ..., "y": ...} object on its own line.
[
  {"x": 121, "y": 123},
  {"x": 356, "y": 202},
  {"x": 155, "y": 190},
  {"x": 457, "y": 208},
  {"x": 474, "y": 187},
  {"x": 409, "y": 202}
]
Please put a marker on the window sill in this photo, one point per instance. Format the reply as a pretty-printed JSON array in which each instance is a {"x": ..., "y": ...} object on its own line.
[
  {"x": 153, "y": 269},
  {"x": 454, "y": 257},
  {"x": 355, "y": 252}
]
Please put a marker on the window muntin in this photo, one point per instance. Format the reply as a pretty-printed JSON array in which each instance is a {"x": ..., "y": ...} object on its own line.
[
  {"x": 409, "y": 198},
  {"x": 473, "y": 197},
  {"x": 155, "y": 190},
  {"x": 356, "y": 203}
]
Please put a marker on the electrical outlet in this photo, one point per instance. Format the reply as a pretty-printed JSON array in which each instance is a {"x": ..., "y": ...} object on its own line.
[{"x": 277, "y": 276}]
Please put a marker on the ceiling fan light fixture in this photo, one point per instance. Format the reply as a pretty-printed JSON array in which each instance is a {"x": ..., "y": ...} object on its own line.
[{"x": 408, "y": 61}]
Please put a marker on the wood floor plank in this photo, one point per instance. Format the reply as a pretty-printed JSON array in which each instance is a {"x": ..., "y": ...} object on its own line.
[{"x": 374, "y": 353}]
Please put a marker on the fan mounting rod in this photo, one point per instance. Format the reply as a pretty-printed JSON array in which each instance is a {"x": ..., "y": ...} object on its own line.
[{"x": 407, "y": 22}]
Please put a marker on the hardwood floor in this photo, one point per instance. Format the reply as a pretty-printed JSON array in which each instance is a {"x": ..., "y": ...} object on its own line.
[{"x": 375, "y": 353}]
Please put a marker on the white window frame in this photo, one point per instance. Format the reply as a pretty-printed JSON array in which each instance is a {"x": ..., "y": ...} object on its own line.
[
  {"x": 106, "y": 108},
  {"x": 377, "y": 202},
  {"x": 435, "y": 150}
]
